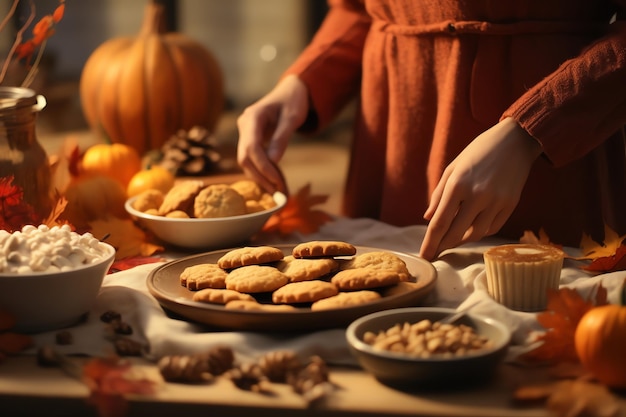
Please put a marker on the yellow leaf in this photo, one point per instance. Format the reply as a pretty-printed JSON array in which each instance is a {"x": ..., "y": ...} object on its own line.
[
  {"x": 593, "y": 250},
  {"x": 127, "y": 239}
]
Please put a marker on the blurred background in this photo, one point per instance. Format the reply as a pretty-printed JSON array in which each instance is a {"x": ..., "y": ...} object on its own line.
[{"x": 254, "y": 41}]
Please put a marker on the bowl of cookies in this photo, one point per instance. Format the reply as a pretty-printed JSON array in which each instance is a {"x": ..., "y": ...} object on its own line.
[
  {"x": 194, "y": 215},
  {"x": 416, "y": 346},
  {"x": 50, "y": 276}
]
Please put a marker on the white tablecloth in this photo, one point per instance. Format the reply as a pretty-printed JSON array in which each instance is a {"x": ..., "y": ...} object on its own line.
[{"x": 461, "y": 282}]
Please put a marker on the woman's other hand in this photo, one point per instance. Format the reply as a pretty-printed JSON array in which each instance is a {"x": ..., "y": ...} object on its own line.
[
  {"x": 480, "y": 189},
  {"x": 265, "y": 128}
]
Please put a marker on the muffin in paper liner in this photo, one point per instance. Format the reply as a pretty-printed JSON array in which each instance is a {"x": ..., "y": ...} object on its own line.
[{"x": 519, "y": 275}]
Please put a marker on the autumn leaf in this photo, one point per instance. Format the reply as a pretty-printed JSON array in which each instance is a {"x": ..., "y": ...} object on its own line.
[
  {"x": 298, "y": 214},
  {"x": 110, "y": 379},
  {"x": 571, "y": 398},
  {"x": 127, "y": 239},
  {"x": 14, "y": 211},
  {"x": 564, "y": 310},
  {"x": 128, "y": 263},
  {"x": 530, "y": 237},
  {"x": 609, "y": 256}
]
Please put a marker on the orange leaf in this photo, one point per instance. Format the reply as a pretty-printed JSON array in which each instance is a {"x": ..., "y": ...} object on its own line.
[
  {"x": 127, "y": 239},
  {"x": 12, "y": 343},
  {"x": 298, "y": 214},
  {"x": 543, "y": 239},
  {"x": 564, "y": 310},
  {"x": 606, "y": 257},
  {"x": 572, "y": 398},
  {"x": 109, "y": 380},
  {"x": 128, "y": 263}
]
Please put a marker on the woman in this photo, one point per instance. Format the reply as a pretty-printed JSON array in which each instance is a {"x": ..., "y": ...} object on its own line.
[{"x": 477, "y": 117}]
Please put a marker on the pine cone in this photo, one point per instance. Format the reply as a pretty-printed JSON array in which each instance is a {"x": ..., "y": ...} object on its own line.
[
  {"x": 185, "y": 368},
  {"x": 219, "y": 360},
  {"x": 278, "y": 365},
  {"x": 312, "y": 380},
  {"x": 249, "y": 377},
  {"x": 192, "y": 152}
]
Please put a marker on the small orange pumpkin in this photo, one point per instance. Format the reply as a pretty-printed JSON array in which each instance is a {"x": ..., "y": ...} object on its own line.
[
  {"x": 155, "y": 177},
  {"x": 141, "y": 90},
  {"x": 600, "y": 341},
  {"x": 116, "y": 160}
]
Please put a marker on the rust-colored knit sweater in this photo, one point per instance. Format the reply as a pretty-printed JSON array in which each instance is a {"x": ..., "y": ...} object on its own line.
[{"x": 433, "y": 74}]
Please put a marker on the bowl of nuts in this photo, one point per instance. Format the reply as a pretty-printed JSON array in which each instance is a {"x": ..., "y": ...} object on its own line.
[
  {"x": 50, "y": 276},
  {"x": 194, "y": 215},
  {"x": 413, "y": 346}
]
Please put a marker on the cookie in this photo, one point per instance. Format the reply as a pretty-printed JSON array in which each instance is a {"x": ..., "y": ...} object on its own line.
[
  {"x": 255, "y": 279},
  {"x": 306, "y": 269},
  {"x": 200, "y": 276},
  {"x": 149, "y": 200},
  {"x": 402, "y": 287},
  {"x": 256, "y": 306},
  {"x": 364, "y": 278},
  {"x": 177, "y": 214},
  {"x": 218, "y": 200},
  {"x": 181, "y": 197},
  {"x": 304, "y": 292},
  {"x": 250, "y": 255},
  {"x": 379, "y": 260},
  {"x": 346, "y": 299},
  {"x": 323, "y": 248},
  {"x": 248, "y": 189},
  {"x": 220, "y": 296}
]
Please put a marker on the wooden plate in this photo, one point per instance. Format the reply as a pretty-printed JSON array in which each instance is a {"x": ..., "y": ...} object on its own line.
[{"x": 164, "y": 284}]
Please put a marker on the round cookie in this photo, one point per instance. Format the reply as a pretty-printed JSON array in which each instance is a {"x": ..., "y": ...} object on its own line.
[
  {"x": 255, "y": 279},
  {"x": 181, "y": 197},
  {"x": 346, "y": 299},
  {"x": 218, "y": 200},
  {"x": 379, "y": 260},
  {"x": 304, "y": 292},
  {"x": 249, "y": 189},
  {"x": 200, "y": 276},
  {"x": 256, "y": 306},
  {"x": 364, "y": 278},
  {"x": 149, "y": 200},
  {"x": 250, "y": 255},
  {"x": 306, "y": 269},
  {"x": 220, "y": 296},
  {"x": 323, "y": 248}
]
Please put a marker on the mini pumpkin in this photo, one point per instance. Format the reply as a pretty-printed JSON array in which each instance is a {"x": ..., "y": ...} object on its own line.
[
  {"x": 116, "y": 160},
  {"x": 600, "y": 341},
  {"x": 154, "y": 177}
]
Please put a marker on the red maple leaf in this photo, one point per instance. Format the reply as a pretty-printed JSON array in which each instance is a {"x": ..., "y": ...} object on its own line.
[
  {"x": 298, "y": 214},
  {"x": 109, "y": 380},
  {"x": 14, "y": 211},
  {"x": 564, "y": 310}
]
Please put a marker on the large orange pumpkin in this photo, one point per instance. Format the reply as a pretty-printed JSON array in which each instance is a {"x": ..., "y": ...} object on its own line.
[
  {"x": 600, "y": 341},
  {"x": 141, "y": 90}
]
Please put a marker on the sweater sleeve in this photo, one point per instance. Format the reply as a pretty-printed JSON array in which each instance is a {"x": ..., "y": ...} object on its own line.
[
  {"x": 330, "y": 65},
  {"x": 582, "y": 103}
]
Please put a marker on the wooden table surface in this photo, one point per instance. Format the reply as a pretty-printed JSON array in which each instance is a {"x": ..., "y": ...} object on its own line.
[{"x": 27, "y": 389}]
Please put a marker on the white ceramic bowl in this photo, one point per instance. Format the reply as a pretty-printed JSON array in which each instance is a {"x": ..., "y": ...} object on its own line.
[
  {"x": 436, "y": 371},
  {"x": 52, "y": 300},
  {"x": 214, "y": 233}
]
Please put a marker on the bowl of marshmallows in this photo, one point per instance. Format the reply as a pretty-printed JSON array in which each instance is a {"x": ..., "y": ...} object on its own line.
[{"x": 50, "y": 276}]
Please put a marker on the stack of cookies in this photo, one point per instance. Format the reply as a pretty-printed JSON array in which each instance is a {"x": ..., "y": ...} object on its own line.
[
  {"x": 194, "y": 199},
  {"x": 317, "y": 275}
]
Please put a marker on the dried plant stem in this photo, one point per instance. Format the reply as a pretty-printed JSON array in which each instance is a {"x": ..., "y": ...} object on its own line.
[{"x": 18, "y": 37}]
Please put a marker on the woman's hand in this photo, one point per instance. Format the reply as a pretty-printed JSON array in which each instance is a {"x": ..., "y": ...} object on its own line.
[
  {"x": 480, "y": 189},
  {"x": 265, "y": 128}
]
